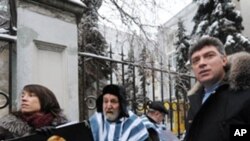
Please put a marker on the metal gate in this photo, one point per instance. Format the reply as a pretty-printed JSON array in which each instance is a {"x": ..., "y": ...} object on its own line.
[
  {"x": 154, "y": 84},
  {"x": 7, "y": 47}
]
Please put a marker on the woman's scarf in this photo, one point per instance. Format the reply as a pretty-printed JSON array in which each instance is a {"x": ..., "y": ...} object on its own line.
[{"x": 38, "y": 120}]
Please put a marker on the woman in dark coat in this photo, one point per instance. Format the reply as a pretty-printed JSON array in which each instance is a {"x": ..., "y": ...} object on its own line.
[{"x": 39, "y": 109}]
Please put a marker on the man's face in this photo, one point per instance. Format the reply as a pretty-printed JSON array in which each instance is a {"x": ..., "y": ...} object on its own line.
[
  {"x": 208, "y": 65},
  {"x": 111, "y": 107},
  {"x": 159, "y": 116}
]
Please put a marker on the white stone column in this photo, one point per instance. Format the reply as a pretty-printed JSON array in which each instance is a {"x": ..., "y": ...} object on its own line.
[{"x": 47, "y": 51}]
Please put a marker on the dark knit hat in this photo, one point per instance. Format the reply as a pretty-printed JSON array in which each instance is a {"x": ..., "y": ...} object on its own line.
[
  {"x": 158, "y": 106},
  {"x": 118, "y": 91}
]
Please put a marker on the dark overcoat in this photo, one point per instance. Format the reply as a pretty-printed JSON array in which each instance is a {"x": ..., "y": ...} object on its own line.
[{"x": 228, "y": 105}]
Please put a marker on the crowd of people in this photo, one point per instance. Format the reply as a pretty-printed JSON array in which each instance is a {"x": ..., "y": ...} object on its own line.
[
  {"x": 40, "y": 113},
  {"x": 218, "y": 100}
]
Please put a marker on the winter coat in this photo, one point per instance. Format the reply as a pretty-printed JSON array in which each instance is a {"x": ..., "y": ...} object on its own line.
[
  {"x": 12, "y": 126},
  {"x": 229, "y": 104}
]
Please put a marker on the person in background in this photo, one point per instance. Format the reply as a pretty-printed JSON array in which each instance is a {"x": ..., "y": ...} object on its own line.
[
  {"x": 39, "y": 109},
  {"x": 223, "y": 96},
  {"x": 113, "y": 121},
  {"x": 153, "y": 122}
]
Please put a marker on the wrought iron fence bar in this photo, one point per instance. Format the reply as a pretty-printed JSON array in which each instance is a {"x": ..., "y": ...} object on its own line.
[
  {"x": 153, "y": 84},
  {"x": 111, "y": 75},
  {"x": 134, "y": 64},
  {"x": 11, "y": 44},
  {"x": 7, "y": 37},
  {"x": 134, "y": 89},
  {"x": 170, "y": 101}
]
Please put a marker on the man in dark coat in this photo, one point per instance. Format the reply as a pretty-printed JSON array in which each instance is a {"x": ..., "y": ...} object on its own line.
[
  {"x": 153, "y": 122},
  {"x": 153, "y": 119},
  {"x": 222, "y": 97}
]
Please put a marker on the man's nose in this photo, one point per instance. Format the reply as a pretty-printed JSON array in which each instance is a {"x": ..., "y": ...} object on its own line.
[
  {"x": 109, "y": 105},
  {"x": 202, "y": 63}
]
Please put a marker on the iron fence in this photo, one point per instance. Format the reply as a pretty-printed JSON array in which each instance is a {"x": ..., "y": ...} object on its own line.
[{"x": 154, "y": 84}]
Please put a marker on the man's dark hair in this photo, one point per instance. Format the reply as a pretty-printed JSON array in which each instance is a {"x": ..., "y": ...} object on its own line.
[{"x": 207, "y": 41}]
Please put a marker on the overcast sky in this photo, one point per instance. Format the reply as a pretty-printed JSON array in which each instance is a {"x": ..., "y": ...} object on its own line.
[{"x": 154, "y": 16}]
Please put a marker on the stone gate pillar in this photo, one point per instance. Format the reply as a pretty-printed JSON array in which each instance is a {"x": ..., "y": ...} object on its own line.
[{"x": 47, "y": 49}]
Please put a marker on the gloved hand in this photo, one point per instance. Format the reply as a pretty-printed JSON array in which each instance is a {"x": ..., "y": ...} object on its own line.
[
  {"x": 46, "y": 130},
  {"x": 5, "y": 134},
  {"x": 86, "y": 122}
]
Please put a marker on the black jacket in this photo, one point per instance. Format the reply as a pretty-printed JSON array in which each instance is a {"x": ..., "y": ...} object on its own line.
[{"x": 230, "y": 104}]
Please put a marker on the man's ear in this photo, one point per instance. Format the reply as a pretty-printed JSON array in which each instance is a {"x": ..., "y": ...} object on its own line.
[{"x": 224, "y": 60}]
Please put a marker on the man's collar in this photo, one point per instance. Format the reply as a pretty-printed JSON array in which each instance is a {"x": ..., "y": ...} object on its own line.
[
  {"x": 150, "y": 119},
  {"x": 212, "y": 88}
]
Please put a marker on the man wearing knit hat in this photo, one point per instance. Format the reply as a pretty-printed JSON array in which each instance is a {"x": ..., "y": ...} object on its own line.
[
  {"x": 153, "y": 122},
  {"x": 113, "y": 121}
]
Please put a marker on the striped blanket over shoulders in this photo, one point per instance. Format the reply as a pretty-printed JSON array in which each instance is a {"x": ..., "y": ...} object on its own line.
[
  {"x": 159, "y": 128},
  {"x": 126, "y": 129},
  {"x": 149, "y": 124}
]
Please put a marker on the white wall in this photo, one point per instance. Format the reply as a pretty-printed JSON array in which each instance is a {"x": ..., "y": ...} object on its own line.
[
  {"x": 118, "y": 39},
  {"x": 243, "y": 6},
  {"x": 167, "y": 34},
  {"x": 47, "y": 54}
]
